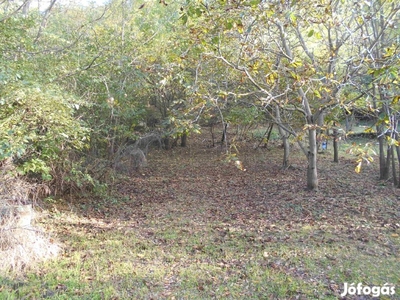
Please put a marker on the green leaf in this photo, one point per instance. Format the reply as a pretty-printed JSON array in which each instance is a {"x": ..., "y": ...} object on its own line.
[
  {"x": 184, "y": 18},
  {"x": 254, "y": 3},
  {"x": 310, "y": 33},
  {"x": 292, "y": 17},
  {"x": 229, "y": 25},
  {"x": 215, "y": 40},
  {"x": 240, "y": 27},
  {"x": 198, "y": 12},
  {"x": 318, "y": 35}
]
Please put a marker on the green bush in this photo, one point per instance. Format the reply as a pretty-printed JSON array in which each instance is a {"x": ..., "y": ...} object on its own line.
[{"x": 37, "y": 126}]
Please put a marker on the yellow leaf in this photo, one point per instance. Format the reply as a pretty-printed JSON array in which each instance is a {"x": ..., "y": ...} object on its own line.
[
  {"x": 395, "y": 99},
  {"x": 317, "y": 94},
  {"x": 358, "y": 168},
  {"x": 369, "y": 130}
]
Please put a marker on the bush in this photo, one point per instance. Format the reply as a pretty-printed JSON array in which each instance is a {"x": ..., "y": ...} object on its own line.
[{"x": 37, "y": 126}]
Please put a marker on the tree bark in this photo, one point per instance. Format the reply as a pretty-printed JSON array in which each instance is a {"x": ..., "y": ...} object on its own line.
[
  {"x": 320, "y": 123},
  {"x": 349, "y": 121},
  {"x": 398, "y": 160},
  {"x": 167, "y": 143},
  {"x": 312, "y": 174},
  {"x": 184, "y": 140},
  {"x": 224, "y": 139},
  {"x": 335, "y": 146},
  {"x": 394, "y": 174},
  {"x": 387, "y": 164},
  {"x": 285, "y": 140},
  {"x": 383, "y": 175},
  {"x": 212, "y": 135}
]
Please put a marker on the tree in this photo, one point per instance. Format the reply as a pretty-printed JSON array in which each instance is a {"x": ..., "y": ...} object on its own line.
[
  {"x": 295, "y": 54},
  {"x": 38, "y": 125},
  {"x": 376, "y": 69}
]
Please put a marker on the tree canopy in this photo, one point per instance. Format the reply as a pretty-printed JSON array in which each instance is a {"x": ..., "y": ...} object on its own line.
[{"x": 81, "y": 82}]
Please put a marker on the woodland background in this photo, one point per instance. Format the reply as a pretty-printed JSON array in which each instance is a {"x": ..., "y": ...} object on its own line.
[{"x": 159, "y": 120}]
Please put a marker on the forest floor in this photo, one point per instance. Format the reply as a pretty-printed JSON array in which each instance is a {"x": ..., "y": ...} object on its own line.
[{"x": 191, "y": 226}]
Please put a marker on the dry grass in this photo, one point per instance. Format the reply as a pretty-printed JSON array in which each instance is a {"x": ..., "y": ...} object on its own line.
[{"x": 21, "y": 243}]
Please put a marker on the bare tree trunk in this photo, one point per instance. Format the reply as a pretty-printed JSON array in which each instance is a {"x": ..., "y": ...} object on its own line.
[
  {"x": 398, "y": 160},
  {"x": 43, "y": 24},
  {"x": 383, "y": 174},
  {"x": 184, "y": 140},
  {"x": 224, "y": 139},
  {"x": 394, "y": 174},
  {"x": 25, "y": 9},
  {"x": 167, "y": 143},
  {"x": 312, "y": 174},
  {"x": 335, "y": 146},
  {"x": 320, "y": 123},
  {"x": 286, "y": 151},
  {"x": 284, "y": 136},
  {"x": 267, "y": 133},
  {"x": 349, "y": 121},
  {"x": 387, "y": 163}
]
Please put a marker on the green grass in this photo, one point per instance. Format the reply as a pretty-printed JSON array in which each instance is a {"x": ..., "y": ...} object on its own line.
[{"x": 205, "y": 262}]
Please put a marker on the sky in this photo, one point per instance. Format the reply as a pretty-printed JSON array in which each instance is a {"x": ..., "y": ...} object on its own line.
[{"x": 44, "y": 4}]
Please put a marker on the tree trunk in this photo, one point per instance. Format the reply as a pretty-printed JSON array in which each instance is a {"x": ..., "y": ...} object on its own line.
[
  {"x": 286, "y": 152},
  {"x": 320, "y": 123},
  {"x": 224, "y": 132},
  {"x": 394, "y": 174},
  {"x": 267, "y": 133},
  {"x": 184, "y": 140},
  {"x": 387, "y": 164},
  {"x": 25, "y": 8},
  {"x": 349, "y": 121},
  {"x": 383, "y": 174},
  {"x": 224, "y": 139},
  {"x": 335, "y": 146},
  {"x": 285, "y": 140},
  {"x": 212, "y": 135},
  {"x": 167, "y": 143},
  {"x": 398, "y": 160},
  {"x": 312, "y": 174}
]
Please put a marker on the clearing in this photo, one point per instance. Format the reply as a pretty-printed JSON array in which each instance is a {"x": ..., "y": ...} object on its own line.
[{"x": 191, "y": 226}]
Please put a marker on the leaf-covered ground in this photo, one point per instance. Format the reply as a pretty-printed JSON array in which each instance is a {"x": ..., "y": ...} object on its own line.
[{"x": 191, "y": 226}]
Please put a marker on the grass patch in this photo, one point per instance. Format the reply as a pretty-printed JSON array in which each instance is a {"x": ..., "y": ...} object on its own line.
[{"x": 213, "y": 261}]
